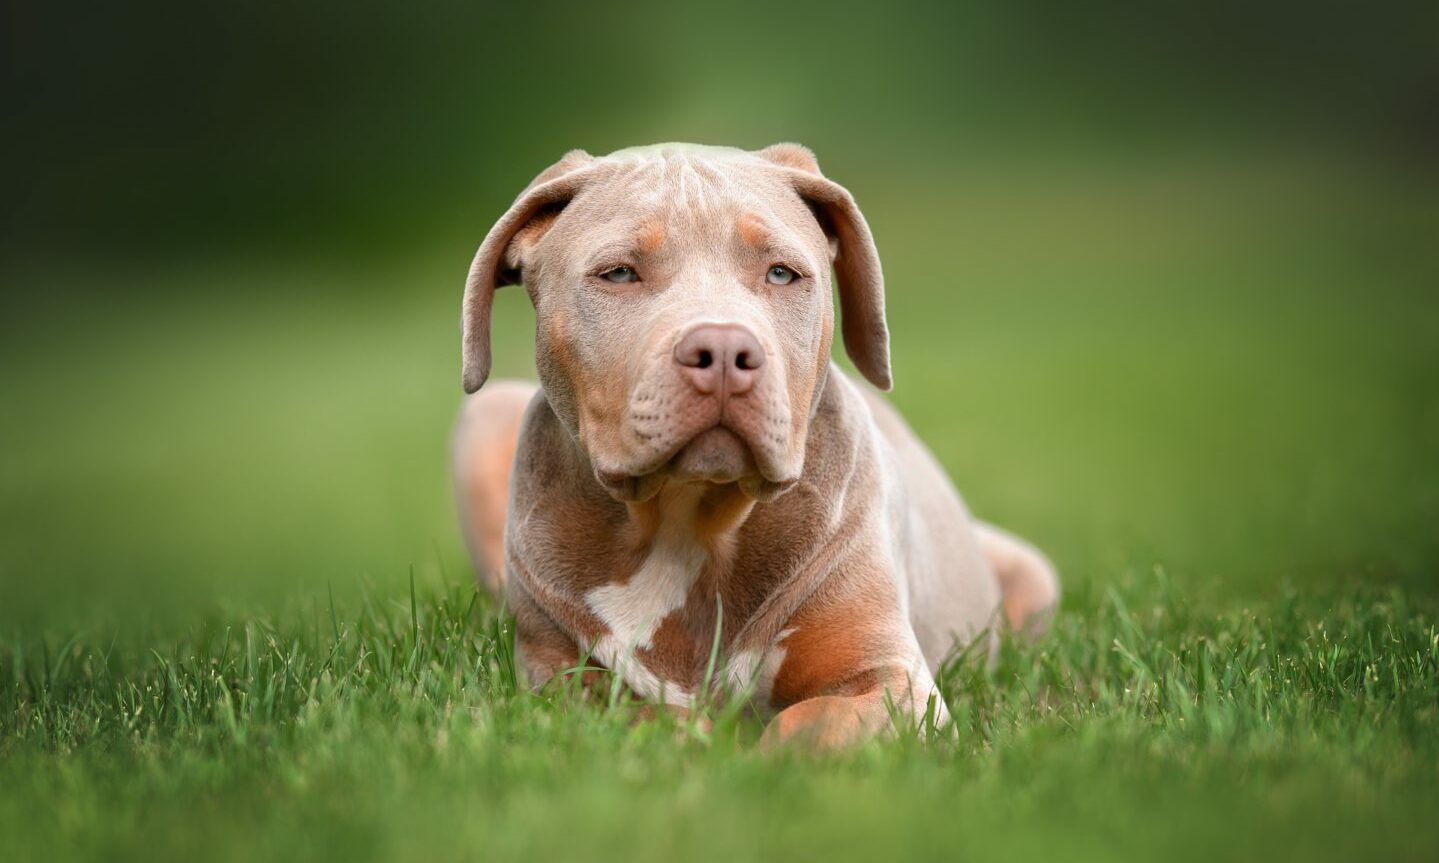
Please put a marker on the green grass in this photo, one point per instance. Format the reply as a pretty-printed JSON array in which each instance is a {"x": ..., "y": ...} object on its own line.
[
  {"x": 397, "y": 731},
  {"x": 236, "y": 620}
]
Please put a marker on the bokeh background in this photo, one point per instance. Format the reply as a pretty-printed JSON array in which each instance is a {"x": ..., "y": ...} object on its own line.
[
  {"x": 1163, "y": 281},
  {"x": 1162, "y": 277}
]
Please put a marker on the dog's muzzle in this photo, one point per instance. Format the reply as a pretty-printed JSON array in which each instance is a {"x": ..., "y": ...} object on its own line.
[{"x": 710, "y": 410}]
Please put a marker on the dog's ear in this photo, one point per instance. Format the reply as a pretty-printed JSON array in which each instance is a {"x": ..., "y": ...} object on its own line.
[
  {"x": 856, "y": 260},
  {"x": 502, "y": 256}
]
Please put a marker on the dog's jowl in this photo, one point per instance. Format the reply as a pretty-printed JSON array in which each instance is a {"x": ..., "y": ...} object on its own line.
[{"x": 692, "y": 455}]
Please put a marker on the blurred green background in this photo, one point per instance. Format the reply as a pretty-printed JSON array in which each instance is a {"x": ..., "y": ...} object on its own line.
[
  {"x": 1163, "y": 282},
  {"x": 1162, "y": 277}
]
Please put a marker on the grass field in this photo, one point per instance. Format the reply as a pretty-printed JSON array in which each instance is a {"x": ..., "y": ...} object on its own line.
[{"x": 236, "y": 620}]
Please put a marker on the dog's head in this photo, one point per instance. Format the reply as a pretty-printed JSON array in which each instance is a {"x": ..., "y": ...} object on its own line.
[{"x": 683, "y": 315}]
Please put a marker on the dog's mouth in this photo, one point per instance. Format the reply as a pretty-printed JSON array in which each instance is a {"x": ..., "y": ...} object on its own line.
[{"x": 716, "y": 455}]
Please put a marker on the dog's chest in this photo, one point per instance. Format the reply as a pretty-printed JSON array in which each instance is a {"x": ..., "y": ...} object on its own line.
[
  {"x": 648, "y": 617},
  {"x": 662, "y": 625}
]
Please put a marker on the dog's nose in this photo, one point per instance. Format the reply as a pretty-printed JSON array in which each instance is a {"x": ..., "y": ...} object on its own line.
[{"x": 720, "y": 358}]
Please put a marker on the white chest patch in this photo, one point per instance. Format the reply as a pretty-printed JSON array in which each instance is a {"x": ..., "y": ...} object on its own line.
[{"x": 634, "y": 610}]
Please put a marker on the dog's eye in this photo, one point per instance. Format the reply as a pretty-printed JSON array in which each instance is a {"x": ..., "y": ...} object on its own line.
[
  {"x": 779, "y": 274},
  {"x": 620, "y": 275}
]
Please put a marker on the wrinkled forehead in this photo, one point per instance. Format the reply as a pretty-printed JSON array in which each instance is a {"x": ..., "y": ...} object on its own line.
[{"x": 693, "y": 195}]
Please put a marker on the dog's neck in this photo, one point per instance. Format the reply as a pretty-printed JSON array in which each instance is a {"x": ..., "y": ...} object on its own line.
[{"x": 705, "y": 513}]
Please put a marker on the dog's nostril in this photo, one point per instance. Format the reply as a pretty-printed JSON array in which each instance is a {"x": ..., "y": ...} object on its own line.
[{"x": 720, "y": 356}]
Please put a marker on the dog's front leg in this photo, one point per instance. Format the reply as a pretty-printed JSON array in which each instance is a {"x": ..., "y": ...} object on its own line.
[
  {"x": 543, "y": 651},
  {"x": 829, "y": 722},
  {"x": 850, "y": 666}
]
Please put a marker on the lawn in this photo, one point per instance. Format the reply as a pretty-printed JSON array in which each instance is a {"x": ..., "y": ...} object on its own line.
[{"x": 237, "y": 622}]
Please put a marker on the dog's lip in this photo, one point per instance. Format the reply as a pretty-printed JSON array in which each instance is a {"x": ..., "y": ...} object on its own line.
[
  {"x": 716, "y": 455},
  {"x": 756, "y": 462},
  {"x": 640, "y": 482}
]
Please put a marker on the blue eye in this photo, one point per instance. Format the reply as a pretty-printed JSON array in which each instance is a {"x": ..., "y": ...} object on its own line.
[
  {"x": 620, "y": 275},
  {"x": 780, "y": 275}
]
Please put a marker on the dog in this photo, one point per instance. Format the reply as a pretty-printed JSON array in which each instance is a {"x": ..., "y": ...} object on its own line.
[{"x": 694, "y": 470}]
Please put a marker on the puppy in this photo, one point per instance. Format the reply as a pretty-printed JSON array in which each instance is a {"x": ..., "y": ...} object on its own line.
[{"x": 693, "y": 468}]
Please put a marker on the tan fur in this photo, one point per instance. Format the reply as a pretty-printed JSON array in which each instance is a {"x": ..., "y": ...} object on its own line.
[
  {"x": 650, "y": 237},
  {"x": 485, "y": 440},
  {"x": 1026, "y": 578},
  {"x": 838, "y": 571},
  {"x": 753, "y": 230},
  {"x": 828, "y": 722}
]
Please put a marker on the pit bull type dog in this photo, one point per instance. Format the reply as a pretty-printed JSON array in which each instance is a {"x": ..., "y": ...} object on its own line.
[{"x": 693, "y": 466}]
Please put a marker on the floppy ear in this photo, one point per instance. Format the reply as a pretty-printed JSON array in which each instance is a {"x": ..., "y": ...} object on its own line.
[
  {"x": 500, "y": 259},
  {"x": 856, "y": 262}
]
